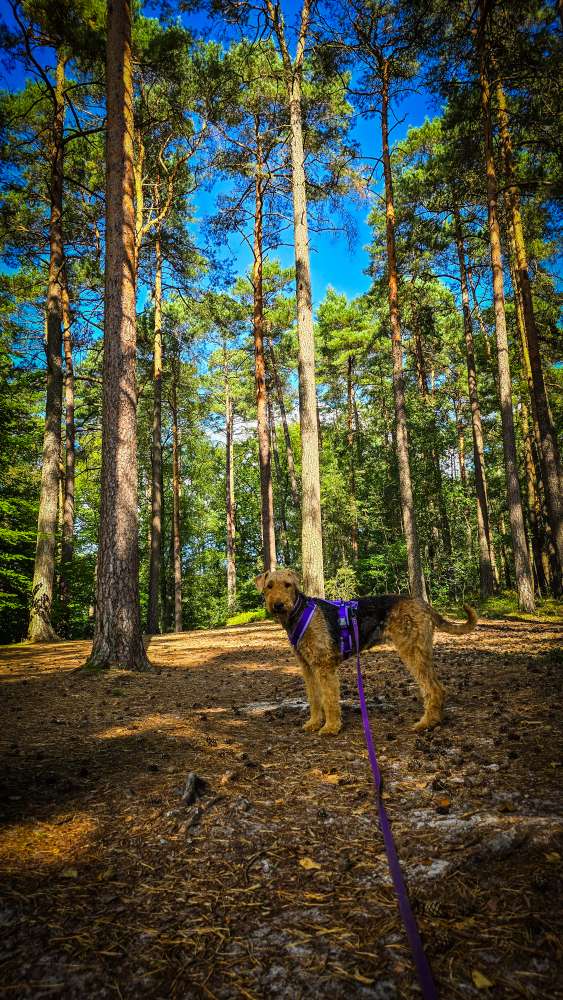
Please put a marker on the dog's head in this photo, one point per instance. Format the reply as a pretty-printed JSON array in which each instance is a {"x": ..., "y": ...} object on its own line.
[{"x": 280, "y": 589}]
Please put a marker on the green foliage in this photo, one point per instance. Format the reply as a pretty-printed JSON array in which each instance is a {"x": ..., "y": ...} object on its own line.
[
  {"x": 20, "y": 456},
  {"x": 245, "y": 617},
  {"x": 505, "y": 605},
  {"x": 343, "y": 585}
]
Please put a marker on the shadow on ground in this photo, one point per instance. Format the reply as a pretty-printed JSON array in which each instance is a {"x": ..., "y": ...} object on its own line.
[{"x": 274, "y": 882}]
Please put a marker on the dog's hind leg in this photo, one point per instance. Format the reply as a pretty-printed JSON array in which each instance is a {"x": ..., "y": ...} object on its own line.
[
  {"x": 313, "y": 697},
  {"x": 412, "y": 638},
  {"x": 329, "y": 682}
]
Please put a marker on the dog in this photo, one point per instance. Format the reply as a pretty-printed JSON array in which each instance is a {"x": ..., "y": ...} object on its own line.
[{"x": 408, "y": 622}]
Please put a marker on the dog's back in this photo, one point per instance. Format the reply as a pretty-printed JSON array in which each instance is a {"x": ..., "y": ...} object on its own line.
[{"x": 373, "y": 615}]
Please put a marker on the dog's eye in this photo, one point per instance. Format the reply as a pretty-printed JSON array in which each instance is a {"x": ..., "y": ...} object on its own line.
[
  {"x": 269, "y": 586},
  {"x": 288, "y": 585}
]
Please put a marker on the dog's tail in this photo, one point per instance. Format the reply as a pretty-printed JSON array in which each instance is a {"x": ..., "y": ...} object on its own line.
[{"x": 455, "y": 628}]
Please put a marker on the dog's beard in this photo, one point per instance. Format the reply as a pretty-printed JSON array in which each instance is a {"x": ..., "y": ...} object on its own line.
[{"x": 281, "y": 616}]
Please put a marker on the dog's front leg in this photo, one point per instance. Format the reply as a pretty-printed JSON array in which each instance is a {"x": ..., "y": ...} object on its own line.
[
  {"x": 314, "y": 698},
  {"x": 329, "y": 682}
]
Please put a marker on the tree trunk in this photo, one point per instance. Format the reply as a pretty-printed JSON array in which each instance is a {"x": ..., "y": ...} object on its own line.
[
  {"x": 527, "y": 371},
  {"x": 523, "y": 572},
  {"x": 176, "y": 539},
  {"x": 138, "y": 168},
  {"x": 266, "y": 489},
  {"x": 40, "y": 627},
  {"x": 482, "y": 327},
  {"x": 542, "y": 546},
  {"x": 460, "y": 427},
  {"x": 541, "y": 562},
  {"x": 67, "y": 544},
  {"x": 282, "y": 508},
  {"x": 289, "y": 451},
  {"x": 352, "y": 456},
  {"x": 230, "y": 499},
  {"x": 311, "y": 526},
  {"x": 416, "y": 576},
  {"x": 311, "y": 523},
  {"x": 92, "y": 607},
  {"x": 550, "y": 560},
  {"x": 428, "y": 399},
  {"x": 155, "y": 566},
  {"x": 504, "y": 555},
  {"x": 118, "y": 640},
  {"x": 486, "y": 553},
  {"x": 550, "y": 459}
]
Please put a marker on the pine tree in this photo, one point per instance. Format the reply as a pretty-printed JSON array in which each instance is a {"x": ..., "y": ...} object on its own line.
[
  {"x": 524, "y": 581},
  {"x": 40, "y": 627},
  {"x": 118, "y": 640},
  {"x": 381, "y": 40}
]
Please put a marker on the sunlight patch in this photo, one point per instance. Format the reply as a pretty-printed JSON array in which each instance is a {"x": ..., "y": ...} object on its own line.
[
  {"x": 36, "y": 844},
  {"x": 169, "y": 724}
]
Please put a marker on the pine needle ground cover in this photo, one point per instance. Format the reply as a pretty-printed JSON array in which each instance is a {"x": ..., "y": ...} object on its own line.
[{"x": 269, "y": 879}]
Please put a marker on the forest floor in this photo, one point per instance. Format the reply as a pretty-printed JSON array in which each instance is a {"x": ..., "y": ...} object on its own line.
[{"x": 274, "y": 883}]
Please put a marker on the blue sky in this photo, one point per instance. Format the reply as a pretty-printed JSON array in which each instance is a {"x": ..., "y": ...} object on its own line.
[{"x": 333, "y": 262}]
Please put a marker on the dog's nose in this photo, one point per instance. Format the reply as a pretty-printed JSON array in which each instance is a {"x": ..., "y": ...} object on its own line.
[{"x": 279, "y": 606}]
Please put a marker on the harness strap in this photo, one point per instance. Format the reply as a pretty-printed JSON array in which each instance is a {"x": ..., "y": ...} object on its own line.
[
  {"x": 345, "y": 638},
  {"x": 302, "y": 624},
  {"x": 409, "y": 922}
]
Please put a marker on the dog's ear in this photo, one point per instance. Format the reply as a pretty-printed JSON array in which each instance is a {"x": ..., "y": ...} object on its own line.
[
  {"x": 294, "y": 578},
  {"x": 261, "y": 581}
]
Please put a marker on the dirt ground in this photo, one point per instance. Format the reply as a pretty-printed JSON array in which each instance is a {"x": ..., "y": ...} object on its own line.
[{"x": 274, "y": 883}]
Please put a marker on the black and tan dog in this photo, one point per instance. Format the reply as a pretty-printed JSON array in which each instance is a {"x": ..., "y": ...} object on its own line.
[{"x": 407, "y": 622}]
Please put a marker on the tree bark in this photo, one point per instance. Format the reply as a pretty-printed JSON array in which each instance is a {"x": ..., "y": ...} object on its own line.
[
  {"x": 522, "y": 568},
  {"x": 352, "y": 455},
  {"x": 155, "y": 566},
  {"x": 428, "y": 399},
  {"x": 543, "y": 551},
  {"x": 460, "y": 428},
  {"x": 311, "y": 524},
  {"x": 138, "y": 168},
  {"x": 541, "y": 561},
  {"x": 176, "y": 537},
  {"x": 416, "y": 575},
  {"x": 230, "y": 497},
  {"x": 289, "y": 450},
  {"x": 40, "y": 627},
  {"x": 504, "y": 555},
  {"x": 67, "y": 544},
  {"x": 266, "y": 488},
  {"x": 550, "y": 459},
  {"x": 282, "y": 508},
  {"x": 486, "y": 552},
  {"x": 118, "y": 640},
  {"x": 550, "y": 560}
]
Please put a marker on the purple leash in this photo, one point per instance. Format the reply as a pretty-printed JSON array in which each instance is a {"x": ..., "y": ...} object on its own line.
[{"x": 421, "y": 962}]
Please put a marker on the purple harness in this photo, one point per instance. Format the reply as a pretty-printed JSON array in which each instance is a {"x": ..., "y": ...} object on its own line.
[
  {"x": 346, "y": 610},
  {"x": 350, "y": 643}
]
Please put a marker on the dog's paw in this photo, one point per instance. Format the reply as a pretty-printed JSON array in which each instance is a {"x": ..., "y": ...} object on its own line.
[
  {"x": 331, "y": 729},
  {"x": 312, "y": 725},
  {"x": 426, "y": 723}
]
